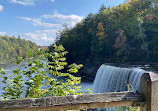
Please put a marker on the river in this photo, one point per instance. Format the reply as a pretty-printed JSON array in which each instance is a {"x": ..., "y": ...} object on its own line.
[
  {"x": 84, "y": 85},
  {"x": 9, "y": 67}
]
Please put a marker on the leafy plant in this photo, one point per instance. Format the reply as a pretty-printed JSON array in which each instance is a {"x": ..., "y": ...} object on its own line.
[
  {"x": 89, "y": 90},
  {"x": 33, "y": 81}
]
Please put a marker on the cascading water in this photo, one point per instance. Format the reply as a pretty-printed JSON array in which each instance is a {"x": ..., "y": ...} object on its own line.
[{"x": 116, "y": 79}]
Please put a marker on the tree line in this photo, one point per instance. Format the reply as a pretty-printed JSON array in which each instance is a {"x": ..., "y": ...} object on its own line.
[
  {"x": 125, "y": 33},
  {"x": 12, "y": 47}
]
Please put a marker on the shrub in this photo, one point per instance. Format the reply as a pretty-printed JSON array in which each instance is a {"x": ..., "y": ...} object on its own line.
[{"x": 32, "y": 81}]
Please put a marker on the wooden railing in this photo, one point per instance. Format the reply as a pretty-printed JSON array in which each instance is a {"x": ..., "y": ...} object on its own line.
[{"x": 147, "y": 99}]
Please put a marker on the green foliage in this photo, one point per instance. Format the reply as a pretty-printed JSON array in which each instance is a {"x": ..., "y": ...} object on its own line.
[
  {"x": 99, "y": 37},
  {"x": 34, "y": 82},
  {"x": 11, "y": 48},
  {"x": 89, "y": 91}
]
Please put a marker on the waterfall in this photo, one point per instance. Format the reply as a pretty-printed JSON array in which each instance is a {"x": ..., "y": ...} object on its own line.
[{"x": 116, "y": 79}]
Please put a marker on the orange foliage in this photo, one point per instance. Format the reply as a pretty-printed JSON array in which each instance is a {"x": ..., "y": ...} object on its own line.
[
  {"x": 20, "y": 52},
  {"x": 150, "y": 17},
  {"x": 120, "y": 39},
  {"x": 132, "y": 1}
]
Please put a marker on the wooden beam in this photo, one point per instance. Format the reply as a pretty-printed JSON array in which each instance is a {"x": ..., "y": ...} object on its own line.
[
  {"x": 74, "y": 102},
  {"x": 149, "y": 87}
]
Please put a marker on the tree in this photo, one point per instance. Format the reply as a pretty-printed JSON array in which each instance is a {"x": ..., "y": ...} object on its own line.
[
  {"x": 13, "y": 47},
  {"x": 120, "y": 44},
  {"x": 37, "y": 83}
]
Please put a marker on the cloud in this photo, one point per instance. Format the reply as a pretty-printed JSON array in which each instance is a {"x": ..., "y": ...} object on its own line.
[
  {"x": 48, "y": 36},
  {"x": 42, "y": 39},
  {"x": 1, "y": 7},
  {"x": 38, "y": 22},
  {"x": 60, "y": 19},
  {"x": 50, "y": 31},
  {"x": 45, "y": 36},
  {"x": 2, "y": 33},
  {"x": 23, "y": 2},
  {"x": 69, "y": 19},
  {"x": 52, "y": 0},
  {"x": 32, "y": 36}
]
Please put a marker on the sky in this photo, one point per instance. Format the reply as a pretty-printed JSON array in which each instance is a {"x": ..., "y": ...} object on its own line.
[{"x": 40, "y": 20}]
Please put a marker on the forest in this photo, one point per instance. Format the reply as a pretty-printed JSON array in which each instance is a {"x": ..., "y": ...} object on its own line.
[
  {"x": 12, "y": 47},
  {"x": 125, "y": 33}
]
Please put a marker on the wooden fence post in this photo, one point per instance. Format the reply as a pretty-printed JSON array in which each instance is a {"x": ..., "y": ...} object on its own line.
[{"x": 149, "y": 88}]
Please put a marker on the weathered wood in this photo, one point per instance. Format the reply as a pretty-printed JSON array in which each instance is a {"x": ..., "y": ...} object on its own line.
[
  {"x": 87, "y": 101},
  {"x": 149, "y": 87}
]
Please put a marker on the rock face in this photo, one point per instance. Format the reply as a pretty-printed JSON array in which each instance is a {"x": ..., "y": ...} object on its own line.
[{"x": 88, "y": 72}]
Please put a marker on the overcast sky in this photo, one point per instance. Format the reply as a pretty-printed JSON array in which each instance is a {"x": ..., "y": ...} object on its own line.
[{"x": 39, "y": 20}]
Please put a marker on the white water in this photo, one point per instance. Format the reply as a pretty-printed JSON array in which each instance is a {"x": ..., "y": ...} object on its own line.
[{"x": 116, "y": 79}]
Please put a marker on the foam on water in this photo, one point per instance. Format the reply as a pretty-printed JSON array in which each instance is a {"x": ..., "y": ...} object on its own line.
[{"x": 116, "y": 79}]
